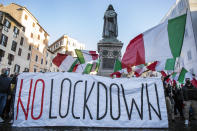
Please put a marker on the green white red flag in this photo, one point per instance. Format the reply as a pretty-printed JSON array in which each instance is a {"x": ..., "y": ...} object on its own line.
[
  {"x": 66, "y": 62},
  {"x": 118, "y": 71},
  {"x": 85, "y": 56},
  {"x": 88, "y": 61},
  {"x": 157, "y": 44}
]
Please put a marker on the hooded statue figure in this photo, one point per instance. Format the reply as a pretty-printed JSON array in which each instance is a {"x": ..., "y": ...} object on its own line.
[{"x": 110, "y": 28}]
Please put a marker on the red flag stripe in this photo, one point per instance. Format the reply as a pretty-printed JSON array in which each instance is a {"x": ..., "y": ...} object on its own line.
[
  {"x": 152, "y": 66},
  {"x": 58, "y": 59},
  {"x": 135, "y": 52}
]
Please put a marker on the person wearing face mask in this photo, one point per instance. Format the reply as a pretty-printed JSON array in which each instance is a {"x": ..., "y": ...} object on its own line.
[
  {"x": 189, "y": 100},
  {"x": 4, "y": 89}
]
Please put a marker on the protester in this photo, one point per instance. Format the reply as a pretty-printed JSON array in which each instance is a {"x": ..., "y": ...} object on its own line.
[
  {"x": 178, "y": 100},
  {"x": 190, "y": 100},
  {"x": 169, "y": 101},
  {"x": 4, "y": 89},
  {"x": 12, "y": 97}
]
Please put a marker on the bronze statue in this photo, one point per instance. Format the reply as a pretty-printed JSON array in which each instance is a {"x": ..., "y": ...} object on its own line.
[{"x": 110, "y": 28}]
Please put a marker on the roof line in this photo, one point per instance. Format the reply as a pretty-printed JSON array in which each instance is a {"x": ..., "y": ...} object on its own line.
[
  {"x": 23, "y": 7},
  {"x": 63, "y": 36},
  {"x": 12, "y": 18}
]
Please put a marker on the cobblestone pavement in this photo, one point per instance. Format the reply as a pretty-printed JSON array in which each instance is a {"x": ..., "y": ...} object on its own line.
[{"x": 178, "y": 125}]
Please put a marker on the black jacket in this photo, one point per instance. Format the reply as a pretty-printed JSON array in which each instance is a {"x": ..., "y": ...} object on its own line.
[
  {"x": 189, "y": 92},
  {"x": 4, "y": 84}
]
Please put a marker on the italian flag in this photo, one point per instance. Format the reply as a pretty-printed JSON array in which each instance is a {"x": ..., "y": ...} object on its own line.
[
  {"x": 118, "y": 71},
  {"x": 91, "y": 67},
  {"x": 138, "y": 70},
  {"x": 85, "y": 56},
  {"x": 66, "y": 62},
  {"x": 162, "y": 65},
  {"x": 186, "y": 74},
  {"x": 159, "y": 43},
  {"x": 87, "y": 61}
]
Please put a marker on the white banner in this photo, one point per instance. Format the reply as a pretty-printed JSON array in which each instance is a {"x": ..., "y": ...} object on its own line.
[{"x": 72, "y": 99}]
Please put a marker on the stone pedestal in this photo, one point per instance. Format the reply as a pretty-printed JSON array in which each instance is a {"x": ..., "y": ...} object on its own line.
[{"x": 109, "y": 50}]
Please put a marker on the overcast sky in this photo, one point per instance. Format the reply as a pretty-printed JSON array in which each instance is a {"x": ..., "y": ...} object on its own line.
[{"x": 83, "y": 19}]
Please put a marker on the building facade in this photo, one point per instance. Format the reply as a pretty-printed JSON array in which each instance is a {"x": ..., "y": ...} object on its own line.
[
  {"x": 50, "y": 67},
  {"x": 66, "y": 45},
  {"x": 34, "y": 35},
  {"x": 14, "y": 53}
]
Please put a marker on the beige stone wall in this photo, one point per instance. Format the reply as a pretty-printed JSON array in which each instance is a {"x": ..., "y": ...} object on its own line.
[
  {"x": 19, "y": 60},
  {"x": 35, "y": 35}
]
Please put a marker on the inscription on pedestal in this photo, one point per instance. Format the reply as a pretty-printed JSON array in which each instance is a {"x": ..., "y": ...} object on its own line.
[{"x": 108, "y": 63}]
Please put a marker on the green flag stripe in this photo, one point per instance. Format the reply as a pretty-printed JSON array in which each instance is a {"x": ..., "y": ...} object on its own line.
[
  {"x": 182, "y": 75},
  {"x": 176, "y": 30},
  {"x": 97, "y": 65},
  {"x": 73, "y": 65},
  {"x": 174, "y": 75},
  {"x": 117, "y": 66},
  {"x": 87, "y": 69},
  {"x": 80, "y": 56},
  {"x": 170, "y": 64}
]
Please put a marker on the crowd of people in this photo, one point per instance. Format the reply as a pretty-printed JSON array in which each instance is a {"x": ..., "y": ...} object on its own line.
[
  {"x": 181, "y": 101},
  {"x": 7, "y": 96}
]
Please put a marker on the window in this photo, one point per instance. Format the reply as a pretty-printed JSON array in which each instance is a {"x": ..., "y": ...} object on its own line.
[
  {"x": 4, "y": 40},
  {"x": 33, "y": 24},
  {"x": 10, "y": 59},
  {"x": 2, "y": 53},
  {"x": 47, "y": 54},
  {"x": 61, "y": 42},
  {"x": 16, "y": 68},
  {"x": 26, "y": 17},
  {"x": 38, "y": 47},
  {"x": 21, "y": 42},
  {"x": 57, "y": 45},
  {"x": 14, "y": 45},
  {"x": 32, "y": 35},
  {"x": 38, "y": 37},
  {"x": 23, "y": 28},
  {"x": 26, "y": 70},
  {"x": 46, "y": 62},
  {"x": 35, "y": 69},
  {"x": 189, "y": 55},
  {"x": 42, "y": 61},
  {"x": 19, "y": 52},
  {"x": 16, "y": 31},
  {"x": 40, "y": 30},
  {"x": 28, "y": 56},
  {"x": 29, "y": 47},
  {"x": 7, "y": 25},
  {"x": 36, "y": 59}
]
